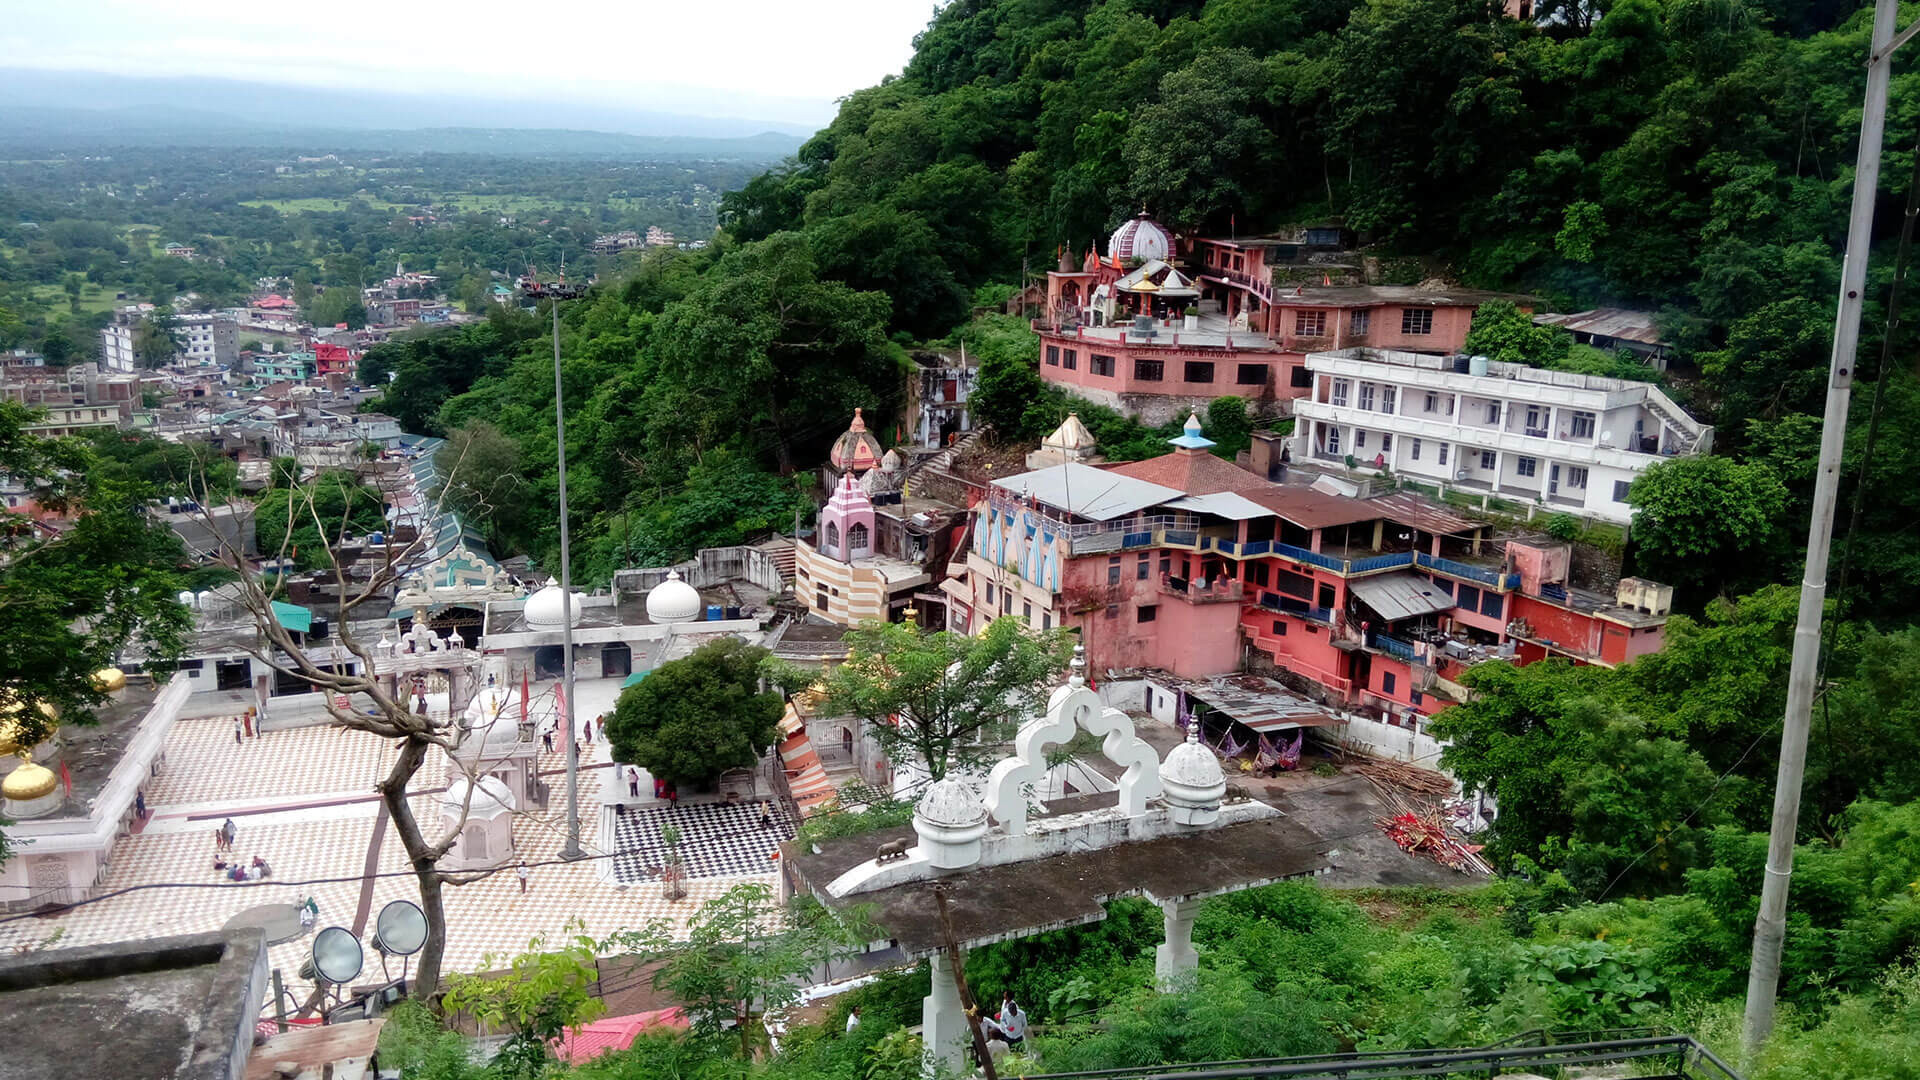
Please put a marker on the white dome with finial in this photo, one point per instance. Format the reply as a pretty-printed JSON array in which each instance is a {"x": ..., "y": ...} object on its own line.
[
  {"x": 1191, "y": 779},
  {"x": 950, "y": 821},
  {"x": 485, "y": 798},
  {"x": 548, "y": 608},
  {"x": 673, "y": 601},
  {"x": 1139, "y": 239}
]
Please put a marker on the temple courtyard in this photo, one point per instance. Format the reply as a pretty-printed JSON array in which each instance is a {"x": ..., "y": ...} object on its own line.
[{"x": 303, "y": 799}]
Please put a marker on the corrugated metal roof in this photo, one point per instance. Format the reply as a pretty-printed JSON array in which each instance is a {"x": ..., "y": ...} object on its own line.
[
  {"x": 1224, "y": 504},
  {"x": 1622, "y": 323},
  {"x": 1400, "y": 595},
  {"x": 1094, "y": 494},
  {"x": 1260, "y": 703}
]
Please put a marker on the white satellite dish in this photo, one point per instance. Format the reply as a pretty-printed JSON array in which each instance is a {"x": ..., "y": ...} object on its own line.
[
  {"x": 337, "y": 956},
  {"x": 401, "y": 929}
]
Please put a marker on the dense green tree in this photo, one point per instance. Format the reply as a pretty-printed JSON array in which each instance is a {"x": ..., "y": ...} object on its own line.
[
  {"x": 305, "y": 522},
  {"x": 157, "y": 340},
  {"x": 692, "y": 719},
  {"x": 1195, "y": 155},
  {"x": 1706, "y": 524}
]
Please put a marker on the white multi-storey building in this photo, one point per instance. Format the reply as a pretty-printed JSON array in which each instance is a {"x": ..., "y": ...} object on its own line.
[
  {"x": 116, "y": 348},
  {"x": 1567, "y": 441},
  {"x": 208, "y": 340}
]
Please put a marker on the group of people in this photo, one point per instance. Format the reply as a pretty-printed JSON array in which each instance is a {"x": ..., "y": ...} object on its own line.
[
  {"x": 231, "y": 868},
  {"x": 1009, "y": 1025},
  {"x": 246, "y": 726}
]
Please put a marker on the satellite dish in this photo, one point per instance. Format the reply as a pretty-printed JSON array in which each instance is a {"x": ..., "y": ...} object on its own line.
[
  {"x": 337, "y": 955},
  {"x": 401, "y": 929}
]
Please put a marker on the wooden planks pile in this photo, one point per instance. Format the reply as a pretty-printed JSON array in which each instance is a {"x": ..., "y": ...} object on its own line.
[{"x": 1416, "y": 824}]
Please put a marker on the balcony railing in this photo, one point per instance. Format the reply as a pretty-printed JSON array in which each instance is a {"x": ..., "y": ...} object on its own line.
[
  {"x": 1219, "y": 591},
  {"x": 1465, "y": 570},
  {"x": 1287, "y": 605},
  {"x": 1392, "y": 646}
]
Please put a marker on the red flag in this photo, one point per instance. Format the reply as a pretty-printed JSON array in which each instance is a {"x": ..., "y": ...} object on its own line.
[
  {"x": 66, "y": 777},
  {"x": 560, "y": 700}
]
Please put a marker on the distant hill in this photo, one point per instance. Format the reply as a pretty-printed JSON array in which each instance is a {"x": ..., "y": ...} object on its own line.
[
  {"x": 60, "y": 109},
  {"x": 79, "y": 129}
]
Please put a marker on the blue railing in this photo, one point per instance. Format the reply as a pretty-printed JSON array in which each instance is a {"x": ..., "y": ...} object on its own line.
[
  {"x": 1391, "y": 646},
  {"x": 1379, "y": 562},
  {"x": 1300, "y": 554},
  {"x": 1137, "y": 539},
  {"x": 1287, "y": 605},
  {"x": 1256, "y": 547},
  {"x": 1464, "y": 570},
  {"x": 1184, "y": 537}
]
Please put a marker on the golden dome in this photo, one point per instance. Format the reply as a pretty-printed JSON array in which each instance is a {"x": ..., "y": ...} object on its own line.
[
  {"x": 109, "y": 680},
  {"x": 29, "y": 781},
  {"x": 10, "y": 727}
]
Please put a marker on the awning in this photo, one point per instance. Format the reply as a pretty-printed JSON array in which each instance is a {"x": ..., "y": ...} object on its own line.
[
  {"x": 1400, "y": 596},
  {"x": 1257, "y": 702},
  {"x": 293, "y": 617},
  {"x": 634, "y": 679}
]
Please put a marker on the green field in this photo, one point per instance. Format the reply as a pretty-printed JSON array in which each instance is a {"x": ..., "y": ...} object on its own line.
[
  {"x": 93, "y": 298},
  {"x": 324, "y": 205}
]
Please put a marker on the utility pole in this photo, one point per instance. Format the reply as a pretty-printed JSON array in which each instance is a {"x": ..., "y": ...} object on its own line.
[
  {"x": 1770, "y": 927},
  {"x": 954, "y": 958},
  {"x": 553, "y": 293}
]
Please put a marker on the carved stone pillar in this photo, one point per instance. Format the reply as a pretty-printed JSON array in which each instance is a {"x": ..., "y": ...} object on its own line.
[{"x": 1176, "y": 957}]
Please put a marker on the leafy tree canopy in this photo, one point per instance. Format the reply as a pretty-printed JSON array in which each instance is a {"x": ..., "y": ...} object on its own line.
[{"x": 692, "y": 719}]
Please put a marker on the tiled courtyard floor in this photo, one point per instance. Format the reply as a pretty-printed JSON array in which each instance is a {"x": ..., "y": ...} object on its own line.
[{"x": 303, "y": 800}]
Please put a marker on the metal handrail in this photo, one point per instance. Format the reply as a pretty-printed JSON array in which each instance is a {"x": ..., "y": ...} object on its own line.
[{"x": 1375, "y": 1065}]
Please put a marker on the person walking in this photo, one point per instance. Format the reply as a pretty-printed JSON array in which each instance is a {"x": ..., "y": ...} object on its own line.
[
  {"x": 1013, "y": 1022},
  {"x": 633, "y": 782},
  {"x": 547, "y": 738},
  {"x": 229, "y": 830},
  {"x": 237, "y": 729},
  {"x": 140, "y": 805},
  {"x": 522, "y": 873}
]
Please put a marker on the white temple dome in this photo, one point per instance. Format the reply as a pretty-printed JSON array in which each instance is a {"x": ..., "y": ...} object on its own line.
[
  {"x": 1139, "y": 239},
  {"x": 544, "y": 610},
  {"x": 1192, "y": 782},
  {"x": 490, "y": 798},
  {"x": 950, "y": 803},
  {"x": 673, "y": 601}
]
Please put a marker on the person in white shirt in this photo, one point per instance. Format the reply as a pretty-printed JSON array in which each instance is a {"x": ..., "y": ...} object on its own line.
[
  {"x": 853, "y": 1019},
  {"x": 1010, "y": 1026}
]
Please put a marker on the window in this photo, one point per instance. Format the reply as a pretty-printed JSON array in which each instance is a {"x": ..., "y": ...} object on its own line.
[
  {"x": 1166, "y": 564},
  {"x": 1299, "y": 376},
  {"x": 1006, "y": 603},
  {"x": 1389, "y": 399},
  {"x": 1414, "y": 696},
  {"x": 1386, "y": 683},
  {"x": 1200, "y": 371},
  {"x": 1433, "y": 401},
  {"x": 1536, "y": 421},
  {"x": 1526, "y": 466},
  {"x": 856, "y": 537},
  {"x": 1113, "y": 611},
  {"x": 989, "y": 593},
  {"x": 1068, "y": 359},
  {"x": 1493, "y": 412},
  {"x": 1149, "y": 370},
  {"x": 1333, "y": 440},
  {"x": 1046, "y": 620},
  {"x": 1147, "y": 612},
  {"x": 1340, "y": 387},
  {"x": 1359, "y": 323},
  {"x": 1486, "y": 459},
  {"x": 1386, "y": 442},
  {"x": 820, "y": 598},
  {"x": 1491, "y": 603},
  {"x": 1113, "y": 570},
  {"x": 1292, "y": 584},
  {"x": 1310, "y": 323},
  {"x": 1413, "y": 450},
  {"x": 1416, "y": 320},
  {"x": 1100, "y": 365},
  {"x": 833, "y": 535},
  {"x": 1359, "y": 440},
  {"x": 1443, "y": 453},
  {"x": 1326, "y": 596},
  {"x": 1469, "y": 599},
  {"x": 1140, "y": 569},
  {"x": 1620, "y": 490},
  {"x": 1026, "y": 610},
  {"x": 1053, "y": 355},
  {"x": 1581, "y": 426},
  {"x": 1256, "y": 572},
  {"x": 1252, "y": 375},
  {"x": 1366, "y": 397},
  {"x": 1577, "y": 476},
  {"x": 1279, "y": 628}
]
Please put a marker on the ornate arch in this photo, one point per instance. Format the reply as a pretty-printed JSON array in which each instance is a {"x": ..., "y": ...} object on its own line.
[{"x": 1072, "y": 708}]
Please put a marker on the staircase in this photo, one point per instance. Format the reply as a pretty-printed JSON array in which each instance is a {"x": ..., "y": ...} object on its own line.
[
  {"x": 1683, "y": 435},
  {"x": 942, "y": 462}
]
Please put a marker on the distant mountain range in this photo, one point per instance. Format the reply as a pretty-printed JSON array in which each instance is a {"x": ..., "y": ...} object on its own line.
[{"x": 62, "y": 109}]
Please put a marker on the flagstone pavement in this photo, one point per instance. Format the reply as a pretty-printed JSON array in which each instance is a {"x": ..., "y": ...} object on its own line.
[{"x": 304, "y": 800}]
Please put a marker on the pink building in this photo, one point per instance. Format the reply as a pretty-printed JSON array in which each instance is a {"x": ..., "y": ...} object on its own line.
[
  {"x": 1156, "y": 334},
  {"x": 1189, "y": 564}
]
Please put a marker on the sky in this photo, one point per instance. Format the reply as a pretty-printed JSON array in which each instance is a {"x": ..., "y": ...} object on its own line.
[{"x": 784, "y": 60}]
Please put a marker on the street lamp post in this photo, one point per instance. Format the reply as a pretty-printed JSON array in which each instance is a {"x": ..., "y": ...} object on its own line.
[{"x": 553, "y": 293}]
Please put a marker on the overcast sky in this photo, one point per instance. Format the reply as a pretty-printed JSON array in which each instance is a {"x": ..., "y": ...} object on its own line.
[{"x": 781, "y": 60}]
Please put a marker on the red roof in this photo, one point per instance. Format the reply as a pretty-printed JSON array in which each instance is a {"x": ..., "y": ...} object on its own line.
[
  {"x": 589, "y": 1041},
  {"x": 273, "y": 300},
  {"x": 1194, "y": 472}
]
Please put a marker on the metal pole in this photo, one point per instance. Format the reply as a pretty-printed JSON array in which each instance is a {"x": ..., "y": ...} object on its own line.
[
  {"x": 1770, "y": 927},
  {"x": 572, "y": 849}
]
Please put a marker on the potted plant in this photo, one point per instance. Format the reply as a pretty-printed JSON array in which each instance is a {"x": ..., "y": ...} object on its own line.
[{"x": 1192, "y": 319}]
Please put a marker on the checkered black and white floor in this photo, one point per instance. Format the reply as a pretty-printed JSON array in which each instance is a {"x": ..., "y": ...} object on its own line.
[{"x": 716, "y": 840}]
